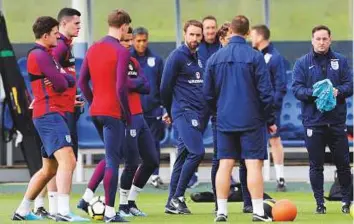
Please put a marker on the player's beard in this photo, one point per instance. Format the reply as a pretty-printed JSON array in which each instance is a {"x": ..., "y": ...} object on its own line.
[{"x": 192, "y": 45}]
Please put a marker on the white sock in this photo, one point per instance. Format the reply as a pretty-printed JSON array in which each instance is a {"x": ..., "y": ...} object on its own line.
[
  {"x": 153, "y": 177},
  {"x": 123, "y": 196},
  {"x": 279, "y": 171},
  {"x": 38, "y": 202},
  {"x": 25, "y": 207},
  {"x": 257, "y": 205},
  {"x": 109, "y": 212},
  {"x": 222, "y": 206},
  {"x": 53, "y": 202},
  {"x": 88, "y": 195},
  {"x": 134, "y": 192},
  {"x": 63, "y": 204}
]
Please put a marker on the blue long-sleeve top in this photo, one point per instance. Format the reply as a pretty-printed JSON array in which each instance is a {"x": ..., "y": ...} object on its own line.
[
  {"x": 205, "y": 50},
  {"x": 182, "y": 83},
  {"x": 312, "y": 68},
  {"x": 237, "y": 87},
  {"x": 152, "y": 67},
  {"x": 277, "y": 71}
]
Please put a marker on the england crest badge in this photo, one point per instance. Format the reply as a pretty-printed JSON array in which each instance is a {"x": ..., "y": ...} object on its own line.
[
  {"x": 267, "y": 57},
  {"x": 68, "y": 138},
  {"x": 334, "y": 64},
  {"x": 133, "y": 132},
  {"x": 197, "y": 75},
  {"x": 194, "y": 123},
  {"x": 151, "y": 61},
  {"x": 309, "y": 132}
]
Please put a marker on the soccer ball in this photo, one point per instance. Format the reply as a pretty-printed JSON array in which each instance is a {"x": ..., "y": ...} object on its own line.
[{"x": 96, "y": 208}]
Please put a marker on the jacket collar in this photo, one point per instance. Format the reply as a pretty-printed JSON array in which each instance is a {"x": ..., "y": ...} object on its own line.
[
  {"x": 328, "y": 55},
  {"x": 187, "y": 51},
  {"x": 40, "y": 46},
  {"x": 136, "y": 55},
  {"x": 237, "y": 39},
  {"x": 267, "y": 49},
  {"x": 66, "y": 40}
]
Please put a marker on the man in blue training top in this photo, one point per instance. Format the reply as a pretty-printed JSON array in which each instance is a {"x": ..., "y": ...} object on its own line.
[
  {"x": 237, "y": 88},
  {"x": 182, "y": 95},
  {"x": 327, "y": 128},
  {"x": 260, "y": 35},
  {"x": 208, "y": 46},
  {"x": 152, "y": 66},
  {"x": 210, "y": 43}
]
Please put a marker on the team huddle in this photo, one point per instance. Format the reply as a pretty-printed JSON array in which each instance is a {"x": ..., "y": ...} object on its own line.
[{"x": 215, "y": 75}]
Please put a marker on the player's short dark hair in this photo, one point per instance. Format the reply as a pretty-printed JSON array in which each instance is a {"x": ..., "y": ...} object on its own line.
[
  {"x": 223, "y": 30},
  {"x": 140, "y": 31},
  {"x": 118, "y": 17},
  {"x": 43, "y": 25},
  {"x": 64, "y": 12},
  {"x": 130, "y": 30},
  {"x": 321, "y": 27},
  {"x": 262, "y": 30},
  {"x": 192, "y": 22},
  {"x": 209, "y": 17},
  {"x": 240, "y": 25}
]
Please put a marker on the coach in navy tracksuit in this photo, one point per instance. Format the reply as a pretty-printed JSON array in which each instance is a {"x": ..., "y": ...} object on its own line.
[
  {"x": 328, "y": 128},
  {"x": 210, "y": 43},
  {"x": 182, "y": 95},
  {"x": 237, "y": 87},
  {"x": 207, "y": 47},
  {"x": 152, "y": 66}
]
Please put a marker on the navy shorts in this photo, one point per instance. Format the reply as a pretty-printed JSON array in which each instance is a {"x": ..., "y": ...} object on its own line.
[
  {"x": 71, "y": 122},
  {"x": 54, "y": 133},
  {"x": 277, "y": 123},
  {"x": 242, "y": 145}
]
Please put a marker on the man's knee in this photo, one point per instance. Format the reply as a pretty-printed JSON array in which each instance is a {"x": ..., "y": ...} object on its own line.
[
  {"x": 226, "y": 164},
  {"x": 275, "y": 142},
  {"x": 131, "y": 168},
  {"x": 49, "y": 172},
  {"x": 66, "y": 158},
  {"x": 154, "y": 164},
  {"x": 316, "y": 167},
  {"x": 343, "y": 167},
  {"x": 112, "y": 163},
  {"x": 199, "y": 155},
  {"x": 253, "y": 164}
]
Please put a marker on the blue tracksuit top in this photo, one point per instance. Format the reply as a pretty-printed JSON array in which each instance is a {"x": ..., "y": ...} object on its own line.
[
  {"x": 237, "y": 86},
  {"x": 312, "y": 68},
  {"x": 276, "y": 67},
  {"x": 205, "y": 50},
  {"x": 182, "y": 83},
  {"x": 152, "y": 66}
]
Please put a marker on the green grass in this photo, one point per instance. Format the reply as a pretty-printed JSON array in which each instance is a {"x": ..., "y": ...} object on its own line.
[
  {"x": 153, "y": 205},
  {"x": 290, "y": 19}
]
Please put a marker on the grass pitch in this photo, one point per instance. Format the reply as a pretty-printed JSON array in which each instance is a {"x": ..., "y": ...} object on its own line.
[{"x": 153, "y": 204}]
